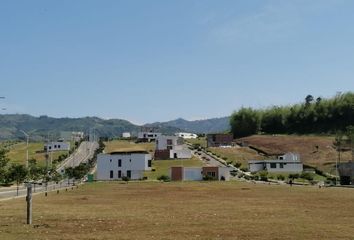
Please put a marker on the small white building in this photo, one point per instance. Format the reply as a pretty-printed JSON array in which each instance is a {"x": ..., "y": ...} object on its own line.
[
  {"x": 197, "y": 173},
  {"x": 288, "y": 163},
  {"x": 187, "y": 135},
  {"x": 119, "y": 164},
  {"x": 56, "y": 146},
  {"x": 148, "y": 136},
  {"x": 172, "y": 147},
  {"x": 126, "y": 135}
]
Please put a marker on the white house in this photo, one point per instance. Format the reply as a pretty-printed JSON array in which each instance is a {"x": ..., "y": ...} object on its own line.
[
  {"x": 171, "y": 147},
  {"x": 57, "y": 146},
  {"x": 148, "y": 136},
  {"x": 187, "y": 135},
  {"x": 119, "y": 164},
  {"x": 126, "y": 135},
  {"x": 197, "y": 173},
  {"x": 288, "y": 163}
]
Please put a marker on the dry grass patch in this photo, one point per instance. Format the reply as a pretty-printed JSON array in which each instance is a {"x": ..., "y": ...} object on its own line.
[
  {"x": 197, "y": 210},
  {"x": 117, "y": 145}
]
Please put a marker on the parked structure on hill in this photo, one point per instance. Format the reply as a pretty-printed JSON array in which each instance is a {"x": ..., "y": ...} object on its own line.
[
  {"x": 198, "y": 173},
  {"x": 119, "y": 164},
  {"x": 171, "y": 147},
  {"x": 219, "y": 140},
  {"x": 187, "y": 135},
  {"x": 346, "y": 173},
  {"x": 56, "y": 146},
  {"x": 289, "y": 163}
]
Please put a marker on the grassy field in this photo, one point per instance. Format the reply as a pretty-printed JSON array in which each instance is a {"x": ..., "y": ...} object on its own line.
[
  {"x": 17, "y": 153},
  {"x": 162, "y": 167},
  {"x": 201, "y": 141},
  {"x": 197, "y": 210},
  {"x": 128, "y": 145},
  {"x": 324, "y": 158}
]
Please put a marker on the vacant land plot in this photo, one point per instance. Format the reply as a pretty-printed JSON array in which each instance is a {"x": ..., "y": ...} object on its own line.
[
  {"x": 237, "y": 155},
  {"x": 17, "y": 153},
  {"x": 128, "y": 145},
  {"x": 198, "y": 210},
  {"x": 324, "y": 157}
]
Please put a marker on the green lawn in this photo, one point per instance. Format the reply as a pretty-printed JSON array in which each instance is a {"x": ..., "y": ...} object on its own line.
[{"x": 17, "y": 153}]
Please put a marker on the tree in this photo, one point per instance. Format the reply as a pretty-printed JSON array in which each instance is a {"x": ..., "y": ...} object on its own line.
[
  {"x": 309, "y": 99},
  {"x": 245, "y": 122},
  {"x": 17, "y": 173},
  {"x": 3, "y": 164}
]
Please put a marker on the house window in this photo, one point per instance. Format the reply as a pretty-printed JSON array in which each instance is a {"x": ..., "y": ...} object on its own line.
[
  {"x": 169, "y": 148},
  {"x": 129, "y": 174},
  {"x": 58, "y": 146},
  {"x": 169, "y": 141},
  {"x": 119, "y": 162},
  {"x": 273, "y": 165},
  {"x": 212, "y": 174},
  {"x": 149, "y": 163},
  {"x": 111, "y": 174},
  {"x": 281, "y": 165},
  {"x": 119, "y": 174},
  {"x": 110, "y": 160}
]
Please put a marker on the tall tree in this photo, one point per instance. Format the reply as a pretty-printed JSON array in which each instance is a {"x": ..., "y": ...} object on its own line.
[{"x": 4, "y": 160}]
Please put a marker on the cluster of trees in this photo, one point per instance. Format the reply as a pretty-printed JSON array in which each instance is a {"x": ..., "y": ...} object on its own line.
[{"x": 312, "y": 116}]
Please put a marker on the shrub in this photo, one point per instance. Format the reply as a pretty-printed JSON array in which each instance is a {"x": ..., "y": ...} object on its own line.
[
  {"x": 244, "y": 169},
  {"x": 209, "y": 178},
  {"x": 307, "y": 176},
  {"x": 225, "y": 158},
  {"x": 237, "y": 165},
  {"x": 126, "y": 179},
  {"x": 263, "y": 175},
  {"x": 164, "y": 178},
  {"x": 280, "y": 177},
  {"x": 294, "y": 176}
]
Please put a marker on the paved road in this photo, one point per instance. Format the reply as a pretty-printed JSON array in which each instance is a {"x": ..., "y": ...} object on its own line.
[
  {"x": 81, "y": 155},
  {"x": 85, "y": 151}
]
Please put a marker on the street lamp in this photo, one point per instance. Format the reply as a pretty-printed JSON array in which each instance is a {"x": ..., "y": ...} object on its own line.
[{"x": 27, "y": 136}]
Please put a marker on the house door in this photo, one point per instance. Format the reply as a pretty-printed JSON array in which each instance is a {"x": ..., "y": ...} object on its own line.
[
  {"x": 175, "y": 155},
  {"x": 129, "y": 174}
]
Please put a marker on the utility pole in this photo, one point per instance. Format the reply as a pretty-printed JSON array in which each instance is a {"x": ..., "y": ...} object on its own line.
[{"x": 29, "y": 203}]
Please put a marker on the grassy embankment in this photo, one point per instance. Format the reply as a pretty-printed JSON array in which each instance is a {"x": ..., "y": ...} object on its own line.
[
  {"x": 17, "y": 153},
  {"x": 160, "y": 167},
  {"x": 192, "y": 210}
]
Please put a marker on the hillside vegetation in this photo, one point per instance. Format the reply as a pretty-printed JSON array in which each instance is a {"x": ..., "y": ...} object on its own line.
[{"x": 313, "y": 116}]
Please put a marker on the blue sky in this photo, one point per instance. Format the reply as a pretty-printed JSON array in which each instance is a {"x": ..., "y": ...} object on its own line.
[{"x": 148, "y": 61}]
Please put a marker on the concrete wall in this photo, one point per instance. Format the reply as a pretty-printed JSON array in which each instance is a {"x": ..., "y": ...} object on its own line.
[
  {"x": 137, "y": 163},
  {"x": 295, "y": 167},
  {"x": 181, "y": 154},
  {"x": 256, "y": 167}
]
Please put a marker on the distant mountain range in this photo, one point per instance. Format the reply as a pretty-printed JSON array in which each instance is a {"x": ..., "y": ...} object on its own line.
[{"x": 40, "y": 127}]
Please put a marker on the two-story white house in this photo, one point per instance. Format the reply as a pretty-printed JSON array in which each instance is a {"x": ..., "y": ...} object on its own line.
[
  {"x": 171, "y": 147},
  {"x": 148, "y": 136},
  {"x": 119, "y": 164},
  {"x": 288, "y": 163}
]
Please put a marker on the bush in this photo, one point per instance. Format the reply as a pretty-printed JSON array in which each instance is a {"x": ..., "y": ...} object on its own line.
[
  {"x": 280, "y": 177},
  {"x": 237, "y": 165},
  {"x": 209, "y": 178},
  {"x": 244, "y": 169},
  {"x": 263, "y": 175},
  {"x": 164, "y": 178},
  {"x": 126, "y": 179},
  {"x": 294, "y": 176},
  {"x": 225, "y": 158},
  {"x": 307, "y": 176}
]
